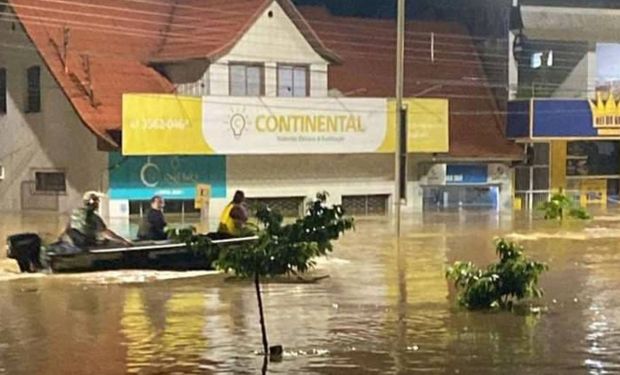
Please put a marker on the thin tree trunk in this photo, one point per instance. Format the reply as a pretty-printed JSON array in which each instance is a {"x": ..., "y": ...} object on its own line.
[{"x": 262, "y": 317}]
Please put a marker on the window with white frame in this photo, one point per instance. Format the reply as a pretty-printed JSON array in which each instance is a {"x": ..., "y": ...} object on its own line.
[
  {"x": 293, "y": 80},
  {"x": 246, "y": 79}
]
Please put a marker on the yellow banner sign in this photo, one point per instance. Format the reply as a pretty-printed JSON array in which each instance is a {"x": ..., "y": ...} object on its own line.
[{"x": 167, "y": 124}]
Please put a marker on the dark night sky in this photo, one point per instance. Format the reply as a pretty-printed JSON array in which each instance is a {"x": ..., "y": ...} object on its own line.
[
  {"x": 432, "y": 8},
  {"x": 487, "y": 17},
  {"x": 380, "y": 8}
]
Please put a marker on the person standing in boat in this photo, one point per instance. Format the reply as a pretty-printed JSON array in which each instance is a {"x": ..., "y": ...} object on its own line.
[
  {"x": 154, "y": 223},
  {"x": 87, "y": 228},
  {"x": 234, "y": 217}
]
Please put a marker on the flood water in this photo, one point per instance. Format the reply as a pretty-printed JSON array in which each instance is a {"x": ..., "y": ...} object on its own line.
[{"x": 379, "y": 312}]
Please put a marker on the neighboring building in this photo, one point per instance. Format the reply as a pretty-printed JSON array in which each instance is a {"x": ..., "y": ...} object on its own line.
[
  {"x": 568, "y": 52},
  {"x": 241, "y": 49},
  {"x": 37, "y": 122},
  {"x": 441, "y": 62}
]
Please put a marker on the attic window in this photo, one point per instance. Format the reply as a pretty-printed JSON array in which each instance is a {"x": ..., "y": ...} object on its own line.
[
  {"x": 293, "y": 80},
  {"x": 270, "y": 14},
  {"x": 246, "y": 79},
  {"x": 33, "y": 94}
]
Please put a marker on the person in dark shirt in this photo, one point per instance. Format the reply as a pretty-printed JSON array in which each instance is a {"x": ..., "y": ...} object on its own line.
[{"x": 153, "y": 223}]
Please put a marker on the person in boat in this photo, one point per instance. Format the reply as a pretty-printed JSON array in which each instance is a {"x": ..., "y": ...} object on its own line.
[
  {"x": 87, "y": 228},
  {"x": 234, "y": 217},
  {"x": 154, "y": 222}
]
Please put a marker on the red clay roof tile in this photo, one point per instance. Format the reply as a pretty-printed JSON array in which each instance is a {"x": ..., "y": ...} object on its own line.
[{"x": 122, "y": 37}]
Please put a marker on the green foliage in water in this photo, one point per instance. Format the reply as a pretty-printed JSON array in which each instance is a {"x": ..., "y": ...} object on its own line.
[
  {"x": 513, "y": 278},
  {"x": 561, "y": 206},
  {"x": 287, "y": 248},
  {"x": 281, "y": 248},
  {"x": 200, "y": 245}
]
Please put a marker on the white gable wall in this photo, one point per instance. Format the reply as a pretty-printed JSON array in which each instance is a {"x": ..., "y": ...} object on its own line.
[{"x": 271, "y": 40}]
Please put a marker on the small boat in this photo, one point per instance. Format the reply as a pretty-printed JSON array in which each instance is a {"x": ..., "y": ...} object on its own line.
[{"x": 31, "y": 256}]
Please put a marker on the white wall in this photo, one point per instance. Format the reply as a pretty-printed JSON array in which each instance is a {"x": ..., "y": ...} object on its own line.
[
  {"x": 305, "y": 175},
  {"x": 55, "y": 138},
  {"x": 581, "y": 82},
  {"x": 566, "y": 23},
  {"x": 513, "y": 68},
  {"x": 271, "y": 40}
]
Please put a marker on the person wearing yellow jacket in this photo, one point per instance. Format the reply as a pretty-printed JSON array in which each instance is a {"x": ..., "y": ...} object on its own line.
[{"x": 234, "y": 217}]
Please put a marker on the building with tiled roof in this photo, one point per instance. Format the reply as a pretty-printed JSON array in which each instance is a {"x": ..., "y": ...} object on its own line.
[{"x": 67, "y": 65}]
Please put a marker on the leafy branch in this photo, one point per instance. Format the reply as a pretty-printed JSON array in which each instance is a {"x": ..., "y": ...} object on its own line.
[{"x": 513, "y": 278}]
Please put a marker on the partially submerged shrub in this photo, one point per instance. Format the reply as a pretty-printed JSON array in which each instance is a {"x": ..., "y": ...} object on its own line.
[
  {"x": 561, "y": 206},
  {"x": 513, "y": 278},
  {"x": 285, "y": 248},
  {"x": 282, "y": 249}
]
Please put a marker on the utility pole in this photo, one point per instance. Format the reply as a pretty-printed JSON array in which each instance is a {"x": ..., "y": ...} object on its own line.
[{"x": 398, "y": 144}]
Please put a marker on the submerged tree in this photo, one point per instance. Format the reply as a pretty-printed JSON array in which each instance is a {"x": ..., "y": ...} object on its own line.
[
  {"x": 285, "y": 248},
  {"x": 513, "y": 278}
]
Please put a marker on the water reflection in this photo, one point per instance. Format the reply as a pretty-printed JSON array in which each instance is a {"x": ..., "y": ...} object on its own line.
[
  {"x": 381, "y": 311},
  {"x": 164, "y": 332}
]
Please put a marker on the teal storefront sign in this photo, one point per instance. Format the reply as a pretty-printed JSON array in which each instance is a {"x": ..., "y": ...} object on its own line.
[{"x": 172, "y": 177}]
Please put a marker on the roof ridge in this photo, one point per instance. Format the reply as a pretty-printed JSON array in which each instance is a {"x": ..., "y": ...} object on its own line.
[{"x": 164, "y": 40}]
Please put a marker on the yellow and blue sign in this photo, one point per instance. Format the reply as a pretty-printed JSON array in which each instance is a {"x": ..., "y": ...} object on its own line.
[
  {"x": 593, "y": 192},
  {"x": 564, "y": 118},
  {"x": 172, "y": 177}
]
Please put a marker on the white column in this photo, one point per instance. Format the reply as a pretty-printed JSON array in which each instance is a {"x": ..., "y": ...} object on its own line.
[
  {"x": 513, "y": 65},
  {"x": 271, "y": 79},
  {"x": 592, "y": 69}
]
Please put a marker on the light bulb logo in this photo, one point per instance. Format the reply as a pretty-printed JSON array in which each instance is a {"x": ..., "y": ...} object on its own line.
[{"x": 237, "y": 124}]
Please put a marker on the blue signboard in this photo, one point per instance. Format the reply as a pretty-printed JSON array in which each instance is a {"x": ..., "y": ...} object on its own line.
[
  {"x": 173, "y": 177},
  {"x": 564, "y": 119},
  {"x": 466, "y": 174},
  {"x": 518, "y": 119}
]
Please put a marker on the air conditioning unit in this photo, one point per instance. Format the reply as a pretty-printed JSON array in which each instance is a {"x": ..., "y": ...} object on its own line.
[{"x": 1, "y": 172}]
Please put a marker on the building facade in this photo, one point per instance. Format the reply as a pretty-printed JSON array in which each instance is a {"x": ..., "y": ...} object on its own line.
[
  {"x": 260, "y": 54},
  {"x": 564, "y": 77},
  {"x": 37, "y": 123}
]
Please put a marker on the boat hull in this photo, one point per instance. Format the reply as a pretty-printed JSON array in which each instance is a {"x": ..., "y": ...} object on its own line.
[{"x": 156, "y": 255}]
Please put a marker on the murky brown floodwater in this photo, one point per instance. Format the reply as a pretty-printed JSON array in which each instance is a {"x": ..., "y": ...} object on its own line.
[{"x": 378, "y": 313}]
